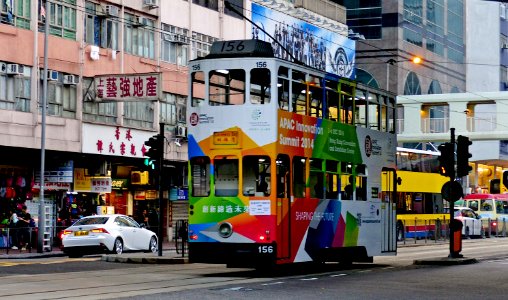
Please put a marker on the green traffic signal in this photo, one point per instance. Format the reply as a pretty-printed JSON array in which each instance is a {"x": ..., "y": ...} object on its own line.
[{"x": 154, "y": 153}]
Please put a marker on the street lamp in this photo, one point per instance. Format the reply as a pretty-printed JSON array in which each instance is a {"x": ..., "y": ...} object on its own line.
[{"x": 391, "y": 61}]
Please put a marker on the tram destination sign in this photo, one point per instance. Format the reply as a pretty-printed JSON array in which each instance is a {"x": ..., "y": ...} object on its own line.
[{"x": 128, "y": 87}]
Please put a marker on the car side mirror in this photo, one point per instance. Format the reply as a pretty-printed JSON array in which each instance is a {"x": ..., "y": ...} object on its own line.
[{"x": 142, "y": 225}]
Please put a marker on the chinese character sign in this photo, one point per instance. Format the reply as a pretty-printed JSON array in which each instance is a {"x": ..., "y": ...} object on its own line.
[{"x": 128, "y": 87}]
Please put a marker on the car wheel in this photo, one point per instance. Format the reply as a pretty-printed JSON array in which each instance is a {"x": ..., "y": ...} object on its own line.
[
  {"x": 118, "y": 246},
  {"x": 467, "y": 233},
  {"x": 153, "y": 247}
]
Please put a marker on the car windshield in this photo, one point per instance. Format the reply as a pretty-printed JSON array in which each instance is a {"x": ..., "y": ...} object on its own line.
[{"x": 91, "y": 221}]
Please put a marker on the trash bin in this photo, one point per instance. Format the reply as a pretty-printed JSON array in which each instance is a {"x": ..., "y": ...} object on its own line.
[{"x": 456, "y": 230}]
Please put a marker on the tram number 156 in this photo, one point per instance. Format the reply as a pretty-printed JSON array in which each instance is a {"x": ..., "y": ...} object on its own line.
[{"x": 265, "y": 249}]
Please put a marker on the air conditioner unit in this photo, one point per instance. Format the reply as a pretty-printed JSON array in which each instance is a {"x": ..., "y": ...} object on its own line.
[
  {"x": 15, "y": 69},
  {"x": 138, "y": 177},
  {"x": 51, "y": 76},
  {"x": 150, "y": 3},
  {"x": 71, "y": 79},
  {"x": 141, "y": 21},
  {"x": 182, "y": 39},
  {"x": 111, "y": 10},
  {"x": 169, "y": 37},
  {"x": 180, "y": 131},
  {"x": 3, "y": 68}
]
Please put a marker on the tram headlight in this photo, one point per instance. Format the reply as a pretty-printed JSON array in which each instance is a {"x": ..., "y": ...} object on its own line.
[{"x": 225, "y": 230}]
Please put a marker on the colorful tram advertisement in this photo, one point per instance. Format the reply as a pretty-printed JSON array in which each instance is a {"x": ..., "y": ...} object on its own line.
[{"x": 286, "y": 162}]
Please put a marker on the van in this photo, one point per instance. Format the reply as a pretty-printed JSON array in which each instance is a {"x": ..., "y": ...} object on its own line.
[{"x": 492, "y": 208}]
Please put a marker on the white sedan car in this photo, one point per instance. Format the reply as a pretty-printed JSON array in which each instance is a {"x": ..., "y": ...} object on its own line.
[
  {"x": 112, "y": 233},
  {"x": 471, "y": 222}
]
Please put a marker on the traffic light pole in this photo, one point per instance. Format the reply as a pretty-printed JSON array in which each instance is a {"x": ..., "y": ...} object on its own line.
[
  {"x": 451, "y": 204},
  {"x": 161, "y": 193}
]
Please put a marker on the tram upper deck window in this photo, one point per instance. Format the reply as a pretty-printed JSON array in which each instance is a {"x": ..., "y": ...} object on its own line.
[
  {"x": 346, "y": 92},
  {"x": 391, "y": 109},
  {"x": 374, "y": 113},
  {"x": 332, "y": 179},
  {"x": 384, "y": 113},
  {"x": 256, "y": 175},
  {"x": 200, "y": 176},
  {"x": 332, "y": 100},
  {"x": 316, "y": 179},
  {"x": 299, "y": 93},
  {"x": 283, "y": 88},
  {"x": 360, "y": 109},
  {"x": 260, "y": 88},
  {"x": 227, "y": 87},
  {"x": 226, "y": 176},
  {"x": 315, "y": 97},
  {"x": 198, "y": 89}
]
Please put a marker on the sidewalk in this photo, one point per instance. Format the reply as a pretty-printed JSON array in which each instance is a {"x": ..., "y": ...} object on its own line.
[{"x": 169, "y": 255}]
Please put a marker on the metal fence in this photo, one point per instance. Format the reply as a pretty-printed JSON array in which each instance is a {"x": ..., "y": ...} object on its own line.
[{"x": 421, "y": 230}]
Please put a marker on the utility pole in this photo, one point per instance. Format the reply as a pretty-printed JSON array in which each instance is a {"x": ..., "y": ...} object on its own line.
[
  {"x": 161, "y": 192},
  {"x": 42, "y": 217}
]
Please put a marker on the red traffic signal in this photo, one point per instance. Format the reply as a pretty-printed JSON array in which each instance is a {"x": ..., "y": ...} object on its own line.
[{"x": 447, "y": 160}]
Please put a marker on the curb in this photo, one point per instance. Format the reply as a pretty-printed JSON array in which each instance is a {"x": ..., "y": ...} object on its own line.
[
  {"x": 445, "y": 261},
  {"x": 145, "y": 260}
]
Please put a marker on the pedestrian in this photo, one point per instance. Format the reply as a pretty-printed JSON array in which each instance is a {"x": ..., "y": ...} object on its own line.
[
  {"x": 13, "y": 229},
  {"x": 23, "y": 228}
]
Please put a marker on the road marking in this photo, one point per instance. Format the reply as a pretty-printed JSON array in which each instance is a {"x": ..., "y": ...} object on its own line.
[
  {"x": 337, "y": 275},
  {"x": 307, "y": 279},
  {"x": 38, "y": 262},
  {"x": 273, "y": 283}
]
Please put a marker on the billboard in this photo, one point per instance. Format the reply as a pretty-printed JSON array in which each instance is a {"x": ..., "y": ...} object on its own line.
[{"x": 312, "y": 45}]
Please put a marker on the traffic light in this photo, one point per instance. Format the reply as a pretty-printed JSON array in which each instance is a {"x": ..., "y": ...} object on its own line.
[
  {"x": 154, "y": 154},
  {"x": 463, "y": 156},
  {"x": 447, "y": 160}
]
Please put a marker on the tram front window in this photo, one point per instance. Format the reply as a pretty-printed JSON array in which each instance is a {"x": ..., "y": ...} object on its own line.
[
  {"x": 226, "y": 176},
  {"x": 256, "y": 176},
  {"x": 260, "y": 86},
  {"x": 227, "y": 87}
]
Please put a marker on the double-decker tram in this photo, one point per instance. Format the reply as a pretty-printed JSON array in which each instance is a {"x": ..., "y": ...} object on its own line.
[{"x": 286, "y": 162}]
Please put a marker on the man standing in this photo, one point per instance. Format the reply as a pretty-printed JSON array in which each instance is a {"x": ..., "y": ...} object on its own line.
[{"x": 23, "y": 227}]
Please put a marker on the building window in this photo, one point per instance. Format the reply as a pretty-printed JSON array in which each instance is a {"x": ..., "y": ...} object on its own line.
[
  {"x": 61, "y": 101},
  {"x": 455, "y": 33},
  {"x": 139, "y": 36},
  {"x": 238, "y": 5},
  {"x": 435, "y": 88},
  {"x": 139, "y": 114},
  {"x": 15, "y": 12},
  {"x": 211, "y": 4},
  {"x": 62, "y": 18},
  {"x": 100, "y": 30},
  {"x": 201, "y": 44},
  {"x": 15, "y": 90},
  {"x": 412, "y": 85},
  {"x": 413, "y": 21},
  {"x": 365, "y": 17},
  {"x": 98, "y": 112},
  {"x": 174, "y": 44}
]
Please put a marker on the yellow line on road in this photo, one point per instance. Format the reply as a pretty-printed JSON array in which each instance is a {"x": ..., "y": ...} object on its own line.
[{"x": 50, "y": 262}]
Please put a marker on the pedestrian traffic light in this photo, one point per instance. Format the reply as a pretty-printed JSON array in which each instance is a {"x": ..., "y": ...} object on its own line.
[
  {"x": 154, "y": 154},
  {"x": 463, "y": 156},
  {"x": 447, "y": 160}
]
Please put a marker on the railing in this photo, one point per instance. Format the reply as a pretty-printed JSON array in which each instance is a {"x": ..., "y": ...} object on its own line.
[
  {"x": 22, "y": 238},
  {"x": 475, "y": 124},
  {"x": 422, "y": 230},
  {"x": 435, "y": 125}
]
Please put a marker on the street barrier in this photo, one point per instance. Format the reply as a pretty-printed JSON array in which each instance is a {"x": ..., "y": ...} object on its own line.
[{"x": 22, "y": 238}]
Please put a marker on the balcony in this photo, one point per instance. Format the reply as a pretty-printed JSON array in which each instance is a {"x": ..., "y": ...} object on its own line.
[
  {"x": 435, "y": 125},
  {"x": 477, "y": 124}
]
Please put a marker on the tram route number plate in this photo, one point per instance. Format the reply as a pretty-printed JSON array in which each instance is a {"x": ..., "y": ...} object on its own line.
[{"x": 225, "y": 138}]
